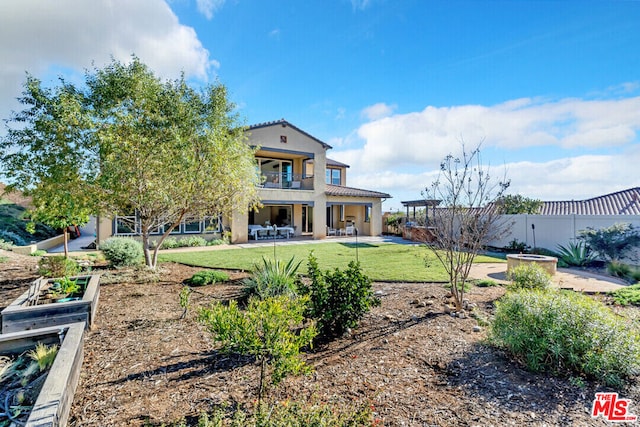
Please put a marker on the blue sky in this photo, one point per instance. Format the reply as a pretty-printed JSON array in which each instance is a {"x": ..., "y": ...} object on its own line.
[{"x": 552, "y": 88}]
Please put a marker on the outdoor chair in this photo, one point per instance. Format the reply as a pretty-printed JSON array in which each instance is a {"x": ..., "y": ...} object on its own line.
[
  {"x": 331, "y": 231},
  {"x": 349, "y": 231}
]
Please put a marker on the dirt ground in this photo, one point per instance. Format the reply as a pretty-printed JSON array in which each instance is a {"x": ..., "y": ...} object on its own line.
[{"x": 417, "y": 365}]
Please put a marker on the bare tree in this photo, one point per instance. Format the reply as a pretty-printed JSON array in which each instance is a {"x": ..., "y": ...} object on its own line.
[{"x": 467, "y": 218}]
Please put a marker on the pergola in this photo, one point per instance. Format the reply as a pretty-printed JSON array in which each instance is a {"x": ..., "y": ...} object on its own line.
[{"x": 422, "y": 203}]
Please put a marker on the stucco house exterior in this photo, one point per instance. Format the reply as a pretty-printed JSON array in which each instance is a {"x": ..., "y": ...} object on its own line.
[{"x": 303, "y": 194}]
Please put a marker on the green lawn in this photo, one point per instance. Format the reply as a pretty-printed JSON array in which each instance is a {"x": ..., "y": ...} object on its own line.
[{"x": 381, "y": 262}]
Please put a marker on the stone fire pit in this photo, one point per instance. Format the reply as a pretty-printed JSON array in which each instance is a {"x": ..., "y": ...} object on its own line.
[{"x": 548, "y": 263}]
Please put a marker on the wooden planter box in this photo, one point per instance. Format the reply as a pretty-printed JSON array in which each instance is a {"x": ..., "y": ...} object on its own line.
[
  {"x": 21, "y": 316},
  {"x": 53, "y": 404}
]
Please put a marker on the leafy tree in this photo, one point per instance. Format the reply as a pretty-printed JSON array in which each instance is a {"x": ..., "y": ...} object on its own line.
[
  {"x": 47, "y": 158},
  {"x": 612, "y": 243},
  {"x": 468, "y": 217},
  {"x": 517, "y": 204},
  {"x": 130, "y": 143},
  {"x": 167, "y": 152}
]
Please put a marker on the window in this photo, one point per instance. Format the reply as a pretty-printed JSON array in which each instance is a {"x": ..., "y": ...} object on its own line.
[
  {"x": 333, "y": 176},
  {"x": 125, "y": 225},
  {"x": 278, "y": 173},
  {"x": 367, "y": 213},
  {"x": 308, "y": 168},
  {"x": 211, "y": 224},
  {"x": 342, "y": 213},
  {"x": 192, "y": 226}
]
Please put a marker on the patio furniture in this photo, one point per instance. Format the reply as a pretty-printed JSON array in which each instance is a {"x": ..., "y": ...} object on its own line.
[
  {"x": 349, "y": 231},
  {"x": 263, "y": 233},
  {"x": 331, "y": 231}
]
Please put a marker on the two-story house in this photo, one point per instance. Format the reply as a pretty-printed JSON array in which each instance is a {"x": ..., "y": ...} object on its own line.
[
  {"x": 305, "y": 190},
  {"x": 303, "y": 193}
]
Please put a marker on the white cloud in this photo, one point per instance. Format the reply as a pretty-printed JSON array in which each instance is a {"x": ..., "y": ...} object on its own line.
[
  {"x": 401, "y": 154},
  {"x": 69, "y": 35},
  {"x": 425, "y": 137},
  {"x": 209, "y": 7},
  {"x": 360, "y": 4},
  {"x": 378, "y": 111}
]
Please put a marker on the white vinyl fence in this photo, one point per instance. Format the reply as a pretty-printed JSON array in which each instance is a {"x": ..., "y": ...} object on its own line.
[{"x": 549, "y": 231}]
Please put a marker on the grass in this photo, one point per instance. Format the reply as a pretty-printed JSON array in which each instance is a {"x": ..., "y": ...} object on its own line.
[
  {"x": 3, "y": 259},
  {"x": 383, "y": 262}
]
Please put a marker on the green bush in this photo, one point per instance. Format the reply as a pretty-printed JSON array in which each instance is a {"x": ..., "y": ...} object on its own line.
[
  {"x": 216, "y": 242},
  {"x": 208, "y": 277},
  {"x": 612, "y": 243},
  {"x": 528, "y": 276},
  {"x": 39, "y": 252},
  {"x": 273, "y": 278},
  {"x": 485, "y": 283},
  {"x": 566, "y": 333},
  {"x": 618, "y": 269},
  {"x": 192, "y": 241},
  {"x": 339, "y": 299},
  {"x": 122, "y": 251},
  {"x": 271, "y": 330},
  {"x": 290, "y": 413},
  {"x": 58, "y": 266},
  {"x": 170, "y": 243},
  {"x": 15, "y": 238},
  {"x": 6, "y": 245},
  {"x": 627, "y": 295}
]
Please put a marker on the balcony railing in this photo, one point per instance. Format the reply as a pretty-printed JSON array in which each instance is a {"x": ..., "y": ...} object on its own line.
[{"x": 287, "y": 181}]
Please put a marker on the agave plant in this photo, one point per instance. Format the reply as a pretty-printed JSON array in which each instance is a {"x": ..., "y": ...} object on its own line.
[
  {"x": 273, "y": 278},
  {"x": 576, "y": 254},
  {"x": 44, "y": 355}
]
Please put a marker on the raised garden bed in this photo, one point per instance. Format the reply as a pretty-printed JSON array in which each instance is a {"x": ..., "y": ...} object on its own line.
[
  {"x": 56, "y": 387},
  {"x": 39, "y": 307}
]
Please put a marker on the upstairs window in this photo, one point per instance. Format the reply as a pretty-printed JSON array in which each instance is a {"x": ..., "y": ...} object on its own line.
[{"x": 333, "y": 176}]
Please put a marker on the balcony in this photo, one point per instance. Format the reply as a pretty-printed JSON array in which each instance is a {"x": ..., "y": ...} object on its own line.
[{"x": 287, "y": 181}]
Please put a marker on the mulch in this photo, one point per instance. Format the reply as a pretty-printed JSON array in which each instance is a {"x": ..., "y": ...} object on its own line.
[{"x": 416, "y": 365}]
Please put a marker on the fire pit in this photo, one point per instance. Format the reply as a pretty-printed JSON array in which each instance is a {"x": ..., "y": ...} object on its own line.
[{"x": 548, "y": 263}]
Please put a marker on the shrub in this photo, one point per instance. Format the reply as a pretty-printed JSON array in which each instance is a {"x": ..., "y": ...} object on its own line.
[
  {"x": 6, "y": 245},
  {"x": 58, "y": 266},
  {"x": 39, "y": 252},
  {"x": 216, "y": 242},
  {"x": 10, "y": 236},
  {"x": 271, "y": 330},
  {"x": 192, "y": 241},
  {"x": 613, "y": 242},
  {"x": 294, "y": 413},
  {"x": 566, "y": 334},
  {"x": 627, "y": 295},
  {"x": 273, "y": 278},
  {"x": 485, "y": 283},
  {"x": 339, "y": 299},
  {"x": 516, "y": 246},
  {"x": 170, "y": 243},
  {"x": 122, "y": 251},
  {"x": 529, "y": 276},
  {"x": 618, "y": 269},
  {"x": 208, "y": 277},
  {"x": 576, "y": 254}
]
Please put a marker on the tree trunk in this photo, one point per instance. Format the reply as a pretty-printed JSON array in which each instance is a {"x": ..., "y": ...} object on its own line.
[
  {"x": 148, "y": 261},
  {"x": 66, "y": 243}
]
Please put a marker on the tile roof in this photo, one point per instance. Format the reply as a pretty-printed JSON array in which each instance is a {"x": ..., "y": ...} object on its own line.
[
  {"x": 283, "y": 122},
  {"x": 626, "y": 202},
  {"x": 331, "y": 162},
  {"x": 339, "y": 190}
]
